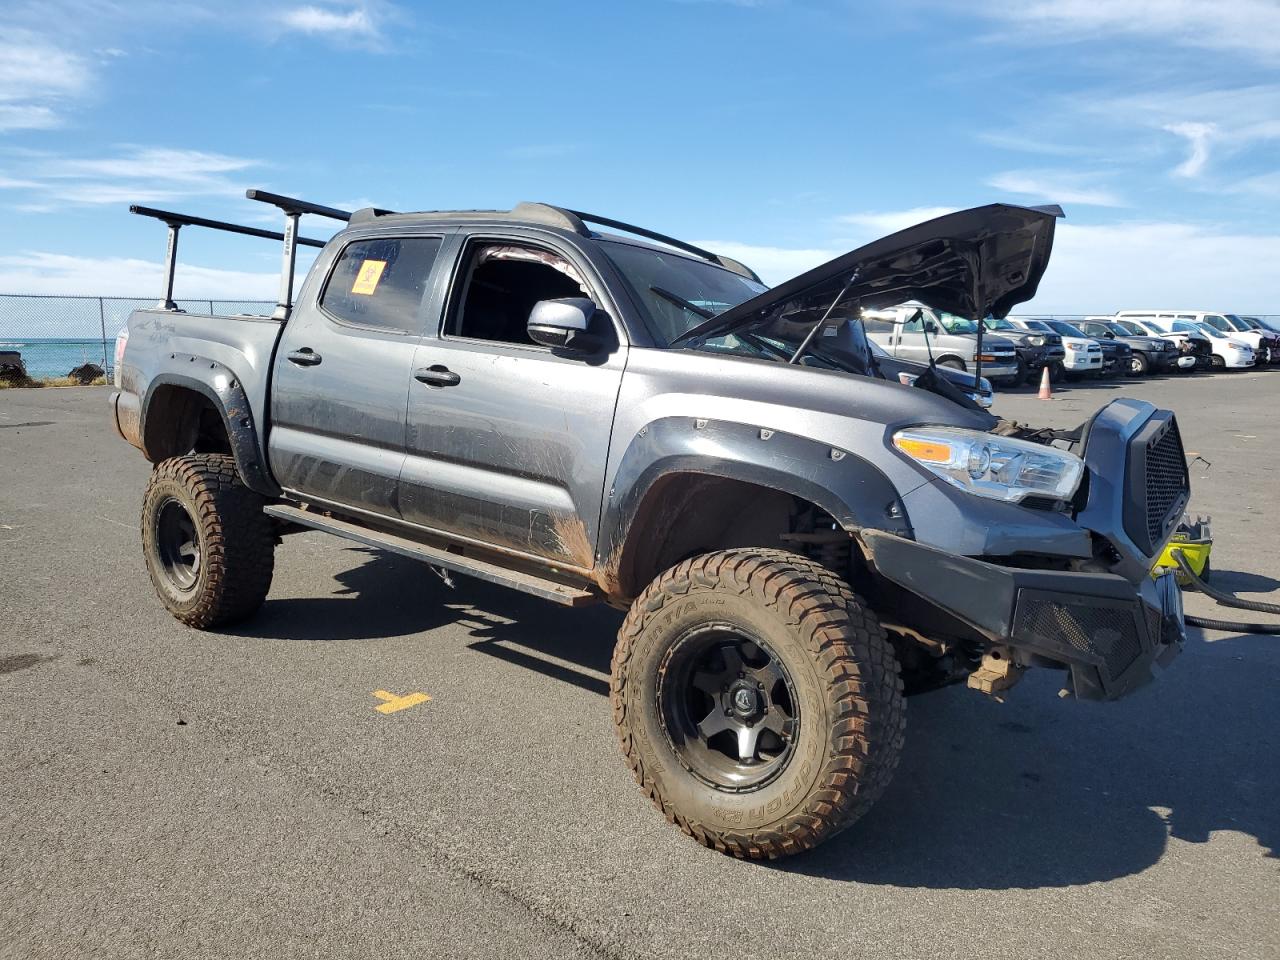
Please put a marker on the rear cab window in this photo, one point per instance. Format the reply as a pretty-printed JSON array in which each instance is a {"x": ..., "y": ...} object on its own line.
[{"x": 379, "y": 283}]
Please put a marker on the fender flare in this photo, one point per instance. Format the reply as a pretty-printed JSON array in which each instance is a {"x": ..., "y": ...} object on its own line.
[
  {"x": 850, "y": 488},
  {"x": 223, "y": 389}
]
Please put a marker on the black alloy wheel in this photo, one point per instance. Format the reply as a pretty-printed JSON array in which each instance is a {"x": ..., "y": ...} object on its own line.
[
  {"x": 728, "y": 707},
  {"x": 178, "y": 545}
]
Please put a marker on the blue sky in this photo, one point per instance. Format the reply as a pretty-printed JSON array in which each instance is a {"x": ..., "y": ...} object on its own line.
[{"x": 779, "y": 132}]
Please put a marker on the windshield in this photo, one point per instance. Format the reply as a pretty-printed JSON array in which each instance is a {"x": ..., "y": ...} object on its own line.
[
  {"x": 1213, "y": 332},
  {"x": 660, "y": 279},
  {"x": 1129, "y": 326},
  {"x": 1066, "y": 329},
  {"x": 993, "y": 324},
  {"x": 1236, "y": 323},
  {"x": 953, "y": 324},
  {"x": 1037, "y": 325}
]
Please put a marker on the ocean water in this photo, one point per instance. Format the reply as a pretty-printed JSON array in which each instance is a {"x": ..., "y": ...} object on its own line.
[{"x": 47, "y": 357}]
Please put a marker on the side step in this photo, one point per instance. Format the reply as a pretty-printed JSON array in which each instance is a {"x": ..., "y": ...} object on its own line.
[{"x": 516, "y": 580}]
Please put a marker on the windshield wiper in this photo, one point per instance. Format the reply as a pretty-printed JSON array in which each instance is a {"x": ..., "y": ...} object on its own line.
[{"x": 680, "y": 301}]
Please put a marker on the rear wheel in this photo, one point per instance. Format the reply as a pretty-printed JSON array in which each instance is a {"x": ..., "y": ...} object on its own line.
[
  {"x": 209, "y": 548},
  {"x": 757, "y": 700}
]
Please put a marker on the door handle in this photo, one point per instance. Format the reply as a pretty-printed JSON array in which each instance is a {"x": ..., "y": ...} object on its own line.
[
  {"x": 306, "y": 357},
  {"x": 437, "y": 376}
]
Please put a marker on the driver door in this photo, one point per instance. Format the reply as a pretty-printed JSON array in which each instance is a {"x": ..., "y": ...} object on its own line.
[{"x": 508, "y": 440}]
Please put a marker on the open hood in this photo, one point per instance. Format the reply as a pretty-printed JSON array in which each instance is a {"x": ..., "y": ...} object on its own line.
[{"x": 973, "y": 263}]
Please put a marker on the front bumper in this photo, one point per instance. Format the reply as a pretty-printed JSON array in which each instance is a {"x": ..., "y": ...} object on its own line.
[
  {"x": 1078, "y": 362},
  {"x": 1237, "y": 360},
  {"x": 1108, "y": 632}
]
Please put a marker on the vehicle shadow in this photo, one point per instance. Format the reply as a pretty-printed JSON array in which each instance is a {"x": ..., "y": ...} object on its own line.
[
  {"x": 1239, "y": 581},
  {"x": 386, "y": 595},
  {"x": 380, "y": 595},
  {"x": 1036, "y": 792},
  {"x": 1043, "y": 793}
]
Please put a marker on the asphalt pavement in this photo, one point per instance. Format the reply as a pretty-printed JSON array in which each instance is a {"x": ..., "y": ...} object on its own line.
[{"x": 171, "y": 793}]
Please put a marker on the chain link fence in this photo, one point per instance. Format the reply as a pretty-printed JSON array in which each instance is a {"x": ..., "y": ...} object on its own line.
[{"x": 55, "y": 334}]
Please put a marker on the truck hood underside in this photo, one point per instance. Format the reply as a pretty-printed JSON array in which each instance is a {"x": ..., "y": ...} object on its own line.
[{"x": 973, "y": 263}]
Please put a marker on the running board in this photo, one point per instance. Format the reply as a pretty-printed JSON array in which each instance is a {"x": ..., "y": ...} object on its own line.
[{"x": 524, "y": 582}]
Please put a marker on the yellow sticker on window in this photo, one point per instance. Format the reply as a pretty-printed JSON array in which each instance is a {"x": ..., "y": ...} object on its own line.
[{"x": 368, "y": 277}]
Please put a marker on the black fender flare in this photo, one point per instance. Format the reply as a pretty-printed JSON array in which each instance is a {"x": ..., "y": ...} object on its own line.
[
  {"x": 850, "y": 488},
  {"x": 223, "y": 389}
]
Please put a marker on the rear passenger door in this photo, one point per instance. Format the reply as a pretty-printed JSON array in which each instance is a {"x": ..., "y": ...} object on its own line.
[{"x": 342, "y": 372}]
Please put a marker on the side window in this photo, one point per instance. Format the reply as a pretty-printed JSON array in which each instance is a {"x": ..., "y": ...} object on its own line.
[
  {"x": 913, "y": 325},
  {"x": 502, "y": 282},
  {"x": 379, "y": 283}
]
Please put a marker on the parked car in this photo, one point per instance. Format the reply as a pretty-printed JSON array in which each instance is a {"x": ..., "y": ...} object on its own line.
[
  {"x": 1258, "y": 342},
  {"x": 1150, "y": 354},
  {"x": 1265, "y": 342},
  {"x": 585, "y": 416},
  {"x": 1194, "y": 349},
  {"x": 1270, "y": 324},
  {"x": 1117, "y": 357},
  {"x": 1229, "y": 351},
  {"x": 1084, "y": 356},
  {"x": 1036, "y": 349},
  {"x": 914, "y": 331}
]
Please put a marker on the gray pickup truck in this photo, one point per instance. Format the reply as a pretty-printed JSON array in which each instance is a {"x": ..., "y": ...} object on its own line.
[{"x": 801, "y": 530}]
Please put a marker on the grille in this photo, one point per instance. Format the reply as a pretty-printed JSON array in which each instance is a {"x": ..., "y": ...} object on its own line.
[
  {"x": 1166, "y": 479},
  {"x": 1109, "y": 633}
]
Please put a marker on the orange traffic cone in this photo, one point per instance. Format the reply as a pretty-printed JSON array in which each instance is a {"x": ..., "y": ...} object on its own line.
[{"x": 1046, "y": 393}]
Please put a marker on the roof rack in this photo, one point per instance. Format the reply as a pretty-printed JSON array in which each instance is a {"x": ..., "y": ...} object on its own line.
[
  {"x": 293, "y": 209},
  {"x": 575, "y": 221},
  {"x": 175, "y": 221},
  {"x": 727, "y": 262}
]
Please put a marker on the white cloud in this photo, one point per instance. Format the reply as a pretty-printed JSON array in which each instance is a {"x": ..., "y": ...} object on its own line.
[
  {"x": 1159, "y": 264},
  {"x": 56, "y": 273},
  {"x": 1198, "y": 136},
  {"x": 1054, "y": 186},
  {"x": 26, "y": 116},
  {"x": 132, "y": 174},
  {"x": 36, "y": 76},
  {"x": 1250, "y": 27},
  {"x": 773, "y": 264},
  {"x": 353, "y": 24},
  {"x": 895, "y": 220}
]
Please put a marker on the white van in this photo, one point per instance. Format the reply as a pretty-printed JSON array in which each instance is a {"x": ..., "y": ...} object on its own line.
[{"x": 916, "y": 332}]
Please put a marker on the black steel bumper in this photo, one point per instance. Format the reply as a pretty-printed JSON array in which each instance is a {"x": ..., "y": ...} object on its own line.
[{"x": 1108, "y": 631}]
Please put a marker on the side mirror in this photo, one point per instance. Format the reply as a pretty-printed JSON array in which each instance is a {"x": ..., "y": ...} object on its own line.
[
  {"x": 930, "y": 328},
  {"x": 564, "y": 324}
]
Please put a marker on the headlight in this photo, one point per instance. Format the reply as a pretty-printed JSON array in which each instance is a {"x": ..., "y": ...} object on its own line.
[
  {"x": 997, "y": 467},
  {"x": 1233, "y": 346},
  {"x": 1037, "y": 341},
  {"x": 1076, "y": 344}
]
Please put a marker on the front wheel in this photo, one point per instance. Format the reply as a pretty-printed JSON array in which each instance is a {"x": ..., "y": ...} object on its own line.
[
  {"x": 209, "y": 548},
  {"x": 1139, "y": 364},
  {"x": 757, "y": 700},
  {"x": 1217, "y": 363}
]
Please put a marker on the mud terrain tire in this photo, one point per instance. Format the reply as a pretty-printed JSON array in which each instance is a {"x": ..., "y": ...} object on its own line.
[
  {"x": 209, "y": 548},
  {"x": 834, "y": 654}
]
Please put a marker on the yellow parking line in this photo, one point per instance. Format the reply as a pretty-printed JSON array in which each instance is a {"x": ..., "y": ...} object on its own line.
[{"x": 394, "y": 703}]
